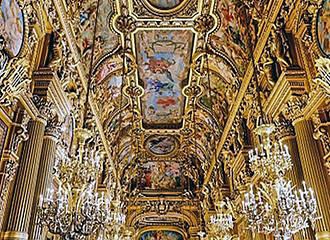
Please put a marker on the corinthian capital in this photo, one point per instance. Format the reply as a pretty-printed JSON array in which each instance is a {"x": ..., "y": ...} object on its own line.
[
  {"x": 54, "y": 128},
  {"x": 295, "y": 106},
  {"x": 44, "y": 107},
  {"x": 284, "y": 129}
]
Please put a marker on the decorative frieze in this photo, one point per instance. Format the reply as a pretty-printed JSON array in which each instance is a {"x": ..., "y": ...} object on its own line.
[{"x": 284, "y": 129}]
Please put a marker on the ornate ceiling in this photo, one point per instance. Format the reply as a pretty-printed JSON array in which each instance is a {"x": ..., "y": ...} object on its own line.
[
  {"x": 163, "y": 126},
  {"x": 171, "y": 92},
  {"x": 166, "y": 112}
]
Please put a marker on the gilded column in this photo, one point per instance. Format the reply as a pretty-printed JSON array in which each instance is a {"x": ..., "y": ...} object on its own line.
[
  {"x": 314, "y": 173},
  {"x": 52, "y": 135},
  {"x": 8, "y": 168},
  {"x": 295, "y": 175},
  {"x": 311, "y": 162},
  {"x": 22, "y": 201}
]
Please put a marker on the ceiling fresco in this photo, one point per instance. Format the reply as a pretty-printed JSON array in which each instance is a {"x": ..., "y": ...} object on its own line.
[
  {"x": 165, "y": 99},
  {"x": 165, "y": 4},
  {"x": 161, "y": 175},
  {"x": 163, "y": 59},
  {"x": 12, "y": 25},
  {"x": 106, "y": 38},
  {"x": 323, "y": 27},
  {"x": 161, "y": 145}
]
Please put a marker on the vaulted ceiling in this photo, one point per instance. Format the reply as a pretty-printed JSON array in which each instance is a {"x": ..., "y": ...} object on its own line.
[
  {"x": 166, "y": 75},
  {"x": 166, "y": 111}
]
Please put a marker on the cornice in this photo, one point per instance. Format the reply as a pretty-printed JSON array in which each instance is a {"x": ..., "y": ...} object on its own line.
[
  {"x": 246, "y": 80},
  {"x": 317, "y": 98},
  {"x": 291, "y": 82},
  {"x": 29, "y": 106}
]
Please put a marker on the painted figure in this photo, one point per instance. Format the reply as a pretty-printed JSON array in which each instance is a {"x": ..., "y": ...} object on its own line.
[
  {"x": 161, "y": 176},
  {"x": 161, "y": 145}
]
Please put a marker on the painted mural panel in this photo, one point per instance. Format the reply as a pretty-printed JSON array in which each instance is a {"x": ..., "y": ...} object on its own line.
[
  {"x": 107, "y": 94},
  {"x": 106, "y": 39},
  {"x": 12, "y": 25},
  {"x": 161, "y": 235},
  {"x": 161, "y": 145},
  {"x": 165, "y": 4},
  {"x": 232, "y": 36},
  {"x": 163, "y": 60},
  {"x": 161, "y": 176},
  {"x": 323, "y": 27}
]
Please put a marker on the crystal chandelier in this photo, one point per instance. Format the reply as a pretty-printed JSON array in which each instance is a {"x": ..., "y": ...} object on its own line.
[
  {"x": 275, "y": 207},
  {"x": 279, "y": 209},
  {"x": 269, "y": 159},
  {"x": 221, "y": 223},
  {"x": 75, "y": 209}
]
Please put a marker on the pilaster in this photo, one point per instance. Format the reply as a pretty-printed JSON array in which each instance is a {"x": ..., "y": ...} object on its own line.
[
  {"x": 288, "y": 137},
  {"x": 314, "y": 174},
  {"x": 311, "y": 161},
  {"x": 23, "y": 194},
  {"x": 52, "y": 135},
  {"x": 8, "y": 168}
]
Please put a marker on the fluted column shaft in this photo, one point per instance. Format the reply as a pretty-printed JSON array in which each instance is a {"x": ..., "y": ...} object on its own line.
[
  {"x": 44, "y": 175},
  {"x": 22, "y": 202},
  {"x": 296, "y": 177},
  {"x": 314, "y": 174}
]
